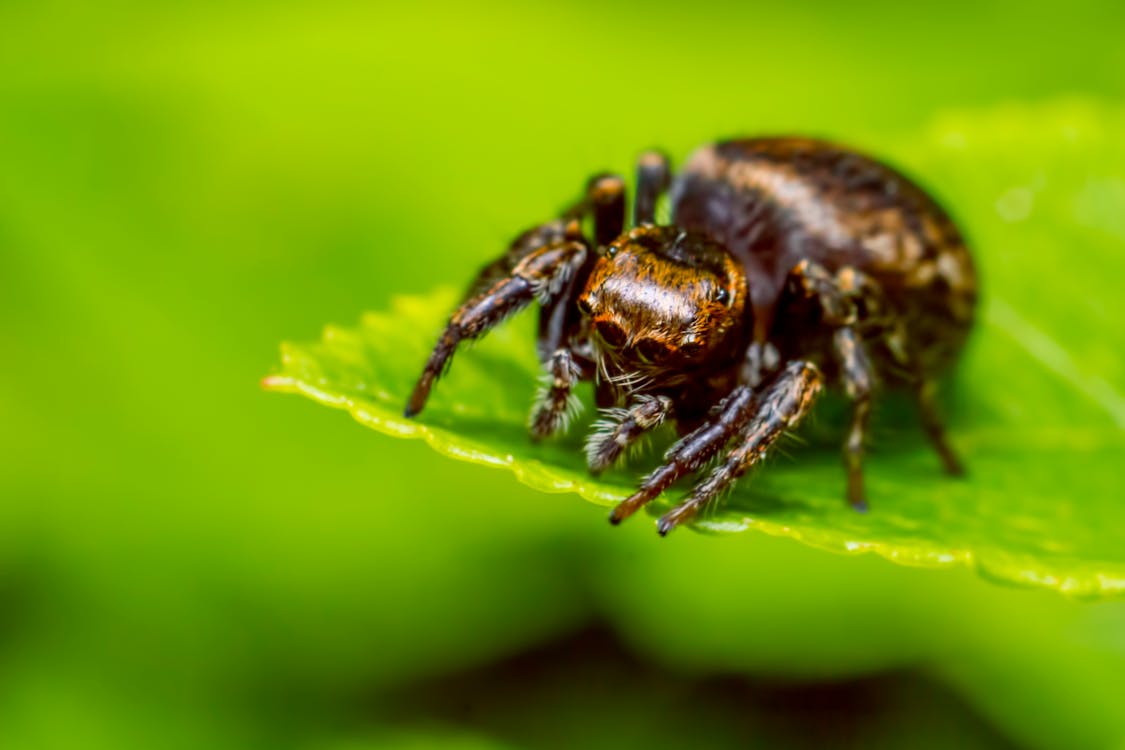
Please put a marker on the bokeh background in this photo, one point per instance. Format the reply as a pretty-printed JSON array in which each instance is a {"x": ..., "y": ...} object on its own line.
[{"x": 186, "y": 561}]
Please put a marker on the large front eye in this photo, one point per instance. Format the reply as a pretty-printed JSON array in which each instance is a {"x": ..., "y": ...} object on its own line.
[
  {"x": 652, "y": 351},
  {"x": 691, "y": 349},
  {"x": 611, "y": 333}
]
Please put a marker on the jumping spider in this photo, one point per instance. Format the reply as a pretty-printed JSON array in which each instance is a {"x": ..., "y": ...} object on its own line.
[{"x": 789, "y": 263}]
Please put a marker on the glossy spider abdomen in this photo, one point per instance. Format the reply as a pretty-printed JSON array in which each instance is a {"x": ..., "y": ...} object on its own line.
[
  {"x": 788, "y": 262},
  {"x": 777, "y": 202}
]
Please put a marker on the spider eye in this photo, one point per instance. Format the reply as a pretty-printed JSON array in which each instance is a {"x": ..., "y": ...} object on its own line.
[
  {"x": 651, "y": 350},
  {"x": 722, "y": 296},
  {"x": 610, "y": 251},
  {"x": 691, "y": 349},
  {"x": 584, "y": 306},
  {"x": 611, "y": 333}
]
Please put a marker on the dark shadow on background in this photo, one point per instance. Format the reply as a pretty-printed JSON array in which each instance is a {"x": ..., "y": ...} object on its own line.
[{"x": 587, "y": 690}]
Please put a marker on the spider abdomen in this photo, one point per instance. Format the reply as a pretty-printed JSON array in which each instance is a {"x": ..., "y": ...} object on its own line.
[{"x": 774, "y": 202}]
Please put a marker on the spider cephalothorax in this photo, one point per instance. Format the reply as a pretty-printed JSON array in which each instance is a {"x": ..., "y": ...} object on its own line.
[
  {"x": 663, "y": 304},
  {"x": 788, "y": 261}
]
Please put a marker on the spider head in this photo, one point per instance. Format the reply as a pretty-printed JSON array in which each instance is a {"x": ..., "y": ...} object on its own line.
[{"x": 662, "y": 299}]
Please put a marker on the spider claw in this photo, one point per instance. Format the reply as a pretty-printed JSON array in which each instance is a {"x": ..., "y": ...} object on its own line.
[
  {"x": 673, "y": 518},
  {"x": 415, "y": 405},
  {"x": 629, "y": 506}
]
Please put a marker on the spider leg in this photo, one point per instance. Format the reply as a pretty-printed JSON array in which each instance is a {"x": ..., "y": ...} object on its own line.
[
  {"x": 935, "y": 429},
  {"x": 548, "y": 263},
  {"x": 847, "y": 297},
  {"x": 555, "y": 402},
  {"x": 605, "y": 200},
  {"x": 782, "y": 404},
  {"x": 653, "y": 177},
  {"x": 622, "y": 428},
  {"x": 859, "y": 381},
  {"x": 853, "y": 299},
  {"x": 540, "y": 272},
  {"x": 851, "y": 302},
  {"x": 693, "y": 450},
  {"x": 761, "y": 360},
  {"x": 559, "y": 319}
]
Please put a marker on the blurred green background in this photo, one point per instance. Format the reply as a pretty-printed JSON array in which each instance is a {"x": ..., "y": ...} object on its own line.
[{"x": 188, "y": 562}]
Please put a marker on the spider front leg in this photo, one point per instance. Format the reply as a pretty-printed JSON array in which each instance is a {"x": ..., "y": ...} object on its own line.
[
  {"x": 555, "y": 402},
  {"x": 785, "y": 400},
  {"x": 542, "y": 271},
  {"x": 546, "y": 262},
  {"x": 692, "y": 451},
  {"x": 653, "y": 177},
  {"x": 605, "y": 203}
]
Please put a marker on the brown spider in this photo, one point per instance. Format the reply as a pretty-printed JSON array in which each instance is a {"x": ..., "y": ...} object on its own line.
[{"x": 789, "y": 262}]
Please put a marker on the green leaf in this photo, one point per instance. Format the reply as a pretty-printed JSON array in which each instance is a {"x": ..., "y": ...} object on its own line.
[{"x": 1036, "y": 405}]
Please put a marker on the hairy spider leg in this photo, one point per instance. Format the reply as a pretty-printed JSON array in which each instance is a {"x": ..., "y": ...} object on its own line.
[
  {"x": 560, "y": 320},
  {"x": 654, "y": 174},
  {"x": 549, "y": 263},
  {"x": 785, "y": 400},
  {"x": 851, "y": 302},
  {"x": 539, "y": 273},
  {"x": 690, "y": 452},
  {"x": 621, "y": 428},
  {"x": 604, "y": 201},
  {"x": 555, "y": 402}
]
